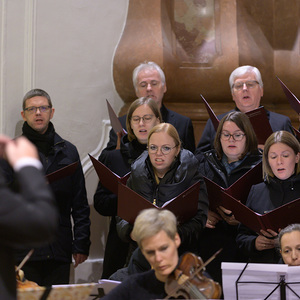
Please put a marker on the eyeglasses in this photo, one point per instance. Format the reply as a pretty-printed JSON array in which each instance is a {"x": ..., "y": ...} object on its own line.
[
  {"x": 164, "y": 149},
  {"x": 146, "y": 119},
  {"x": 225, "y": 136},
  {"x": 249, "y": 84},
  {"x": 33, "y": 109}
]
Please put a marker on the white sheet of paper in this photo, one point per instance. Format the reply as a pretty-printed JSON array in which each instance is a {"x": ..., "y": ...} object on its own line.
[{"x": 259, "y": 280}]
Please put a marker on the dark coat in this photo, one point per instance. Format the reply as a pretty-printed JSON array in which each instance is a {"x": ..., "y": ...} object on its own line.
[
  {"x": 28, "y": 218},
  {"x": 183, "y": 173},
  {"x": 105, "y": 202},
  {"x": 223, "y": 235},
  {"x": 277, "y": 122},
  {"x": 137, "y": 287},
  {"x": 264, "y": 197},
  {"x": 182, "y": 124},
  {"x": 212, "y": 168},
  {"x": 71, "y": 199}
]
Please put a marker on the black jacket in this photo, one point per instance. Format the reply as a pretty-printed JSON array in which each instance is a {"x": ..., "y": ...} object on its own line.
[
  {"x": 105, "y": 202},
  {"x": 223, "y": 235},
  {"x": 213, "y": 168},
  {"x": 182, "y": 174},
  {"x": 182, "y": 124},
  {"x": 71, "y": 200},
  {"x": 27, "y": 218},
  {"x": 263, "y": 198},
  {"x": 144, "y": 286},
  {"x": 277, "y": 122},
  {"x": 119, "y": 162}
]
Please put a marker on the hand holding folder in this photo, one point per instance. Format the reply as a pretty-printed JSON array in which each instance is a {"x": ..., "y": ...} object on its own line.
[
  {"x": 62, "y": 173},
  {"x": 184, "y": 206},
  {"x": 276, "y": 219},
  {"x": 108, "y": 178}
]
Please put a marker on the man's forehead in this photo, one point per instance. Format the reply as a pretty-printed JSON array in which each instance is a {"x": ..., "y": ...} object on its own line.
[
  {"x": 148, "y": 75},
  {"x": 39, "y": 99},
  {"x": 250, "y": 75}
]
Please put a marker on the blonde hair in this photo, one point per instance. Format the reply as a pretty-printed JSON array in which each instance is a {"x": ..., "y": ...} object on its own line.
[
  {"x": 151, "y": 221},
  {"x": 169, "y": 129}
]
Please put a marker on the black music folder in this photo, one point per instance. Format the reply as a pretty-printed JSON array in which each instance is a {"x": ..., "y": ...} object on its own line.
[
  {"x": 108, "y": 178},
  {"x": 184, "y": 206},
  {"x": 114, "y": 121},
  {"x": 297, "y": 133},
  {"x": 239, "y": 190},
  {"x": 258, "y": 118},
  {"x": 211, "y": 114},
  {"x": 294, "y": 102},
  {"x": 62, "y": 173},
  {"x": 260, "y": 123},
  {"x": 276, "y": 219}
]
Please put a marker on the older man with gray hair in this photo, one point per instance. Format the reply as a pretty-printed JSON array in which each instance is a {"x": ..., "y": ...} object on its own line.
[
  {"x": 149, "y": 81},
  {"x": 247, "y": 90}
]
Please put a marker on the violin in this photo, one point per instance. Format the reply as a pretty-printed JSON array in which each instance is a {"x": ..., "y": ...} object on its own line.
[
  {"x": 23, "y": 283},
  {"x": 187, "y": 281}
]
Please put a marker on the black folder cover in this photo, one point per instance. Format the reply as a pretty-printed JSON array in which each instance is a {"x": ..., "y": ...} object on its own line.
[
  {"x": 258, "y": 118},
  {"x": 62, "y": 173},
  {"x": 114, "y": 121},
  {"x": 239, "y": 190},
  {"x": 108, "y": 178},
  {"x": 275, "y": 219},
  {"x": 184, "y": 206}
]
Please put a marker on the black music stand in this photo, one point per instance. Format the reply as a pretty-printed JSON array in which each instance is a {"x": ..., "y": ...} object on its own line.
[{"x": 260, "y": 281}]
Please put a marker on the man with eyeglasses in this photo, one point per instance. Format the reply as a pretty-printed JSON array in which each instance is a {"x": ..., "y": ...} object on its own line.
[
  {"x": 50, "y": 264},
  {"x": 149, "y": 81},
  {"x": 246, "y": 89}
]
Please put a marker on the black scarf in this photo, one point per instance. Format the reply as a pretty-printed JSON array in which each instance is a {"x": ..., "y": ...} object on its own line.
[{"x": 44, "y": 142}]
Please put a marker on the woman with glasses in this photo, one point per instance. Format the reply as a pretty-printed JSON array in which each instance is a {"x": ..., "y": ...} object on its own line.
[
  {"x": 161, "y": 174},
  {"x": 235, "y": 153},
  {"x": 281, "y": 173},
  {"x": 143, "y": 115}
]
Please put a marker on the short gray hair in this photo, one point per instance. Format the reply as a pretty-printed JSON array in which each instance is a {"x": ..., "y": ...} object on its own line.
[
  {"x": 147, "y": 65},
  {"x": 240, "y": 71},
  {"x": 34, "y": 93}
]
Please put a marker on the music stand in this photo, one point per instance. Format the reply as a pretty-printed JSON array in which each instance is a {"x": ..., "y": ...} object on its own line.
[{"x": 260, "y": 281}]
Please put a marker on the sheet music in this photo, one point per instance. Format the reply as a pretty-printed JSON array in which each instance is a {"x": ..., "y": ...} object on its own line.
[{"x": 259, "y": 280}]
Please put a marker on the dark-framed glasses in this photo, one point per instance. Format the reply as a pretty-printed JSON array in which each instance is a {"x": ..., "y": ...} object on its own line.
[
  {"x": 225, "y": 136},
  {"x": 164, "y": 149},
  {"x": 249, "y": 84},
  {"x": 145, "y": 118},
  {"x": 33, "y": 109}
]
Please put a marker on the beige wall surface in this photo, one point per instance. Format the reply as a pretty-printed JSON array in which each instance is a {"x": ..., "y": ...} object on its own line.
[{"x": 67, "y": 48}]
